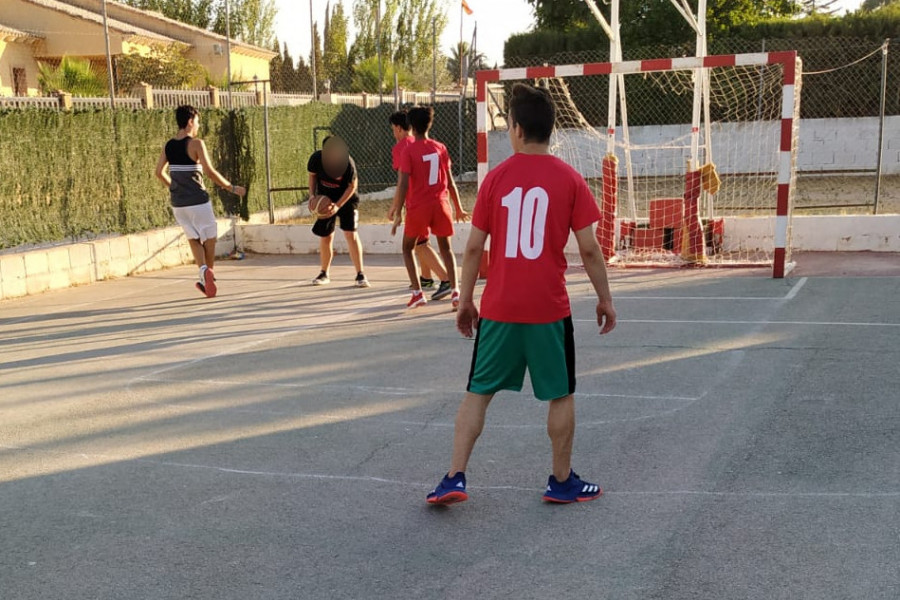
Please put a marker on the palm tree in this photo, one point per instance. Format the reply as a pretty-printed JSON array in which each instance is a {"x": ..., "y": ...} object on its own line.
[
  {"x": 73, "y": 75},
  {"x": 476, "y": 62}
]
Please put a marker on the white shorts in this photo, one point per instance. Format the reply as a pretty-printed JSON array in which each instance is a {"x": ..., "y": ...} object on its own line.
[{"x": 198, "y": 221}]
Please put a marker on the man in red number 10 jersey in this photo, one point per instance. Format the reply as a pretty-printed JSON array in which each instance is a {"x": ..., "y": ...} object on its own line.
[{"x": 528, "y": 206}]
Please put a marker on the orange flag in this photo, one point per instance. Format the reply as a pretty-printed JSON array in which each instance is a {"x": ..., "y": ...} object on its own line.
[{"x": 465, "y": 6}]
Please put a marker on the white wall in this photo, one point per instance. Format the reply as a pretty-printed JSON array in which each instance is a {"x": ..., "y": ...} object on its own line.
[
  {"x": 824, "y": 145},
  {"x": 52, "y": 268},
  {"x": 65, "y": 265}
]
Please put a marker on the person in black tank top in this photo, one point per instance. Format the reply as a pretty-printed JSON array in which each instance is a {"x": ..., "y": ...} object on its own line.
[{"x": 187, "y": 160}]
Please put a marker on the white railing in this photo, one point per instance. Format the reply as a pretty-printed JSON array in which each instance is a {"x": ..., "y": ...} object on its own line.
[
  {"x": 100, "y": 102},
  {"x": 212, "y": 97},
  {"x": 175, "y": 98},
  {"x": 238, "y": 99},
  {"x": 425, "y": 97},
  {"x": 276, "y": 99},
  {"x": 30, "y": 102}
]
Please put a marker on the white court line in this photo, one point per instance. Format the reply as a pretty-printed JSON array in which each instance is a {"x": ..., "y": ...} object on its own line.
[
  {"x": 728, "y": 322},
  {"x": 792, "y": 293},
  {"x": 240, "y": 348},
  {"x": 393, "y": 391},
  {"x": 370, "y": 479},
  {"x": 233, "y": 350},
  {"x": 399, "y": 391},
  {"x": 769, "y": 298},
  {"x": 72, "y": 307}
]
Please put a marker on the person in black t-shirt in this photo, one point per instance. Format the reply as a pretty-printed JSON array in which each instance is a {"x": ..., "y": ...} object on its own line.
[{"x": 332, "y": 173}]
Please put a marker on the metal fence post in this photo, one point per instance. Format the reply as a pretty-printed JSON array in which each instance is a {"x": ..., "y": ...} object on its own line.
[{"x": 880, "y": 159}]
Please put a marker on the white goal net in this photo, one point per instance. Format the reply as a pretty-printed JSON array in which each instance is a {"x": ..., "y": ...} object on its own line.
[{"x": 673, "y": 194}]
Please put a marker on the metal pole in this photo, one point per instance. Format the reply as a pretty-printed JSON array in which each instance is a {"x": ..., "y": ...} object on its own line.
[
  {"x": 762, "y": 84},
  {"x": 462, "y": 101},
  {"x": 433, "y": 62},
  {"x": 397, "y": 98},
  {"x": 228, "y": 51},
  {"x": 109, "y": 68},
  {"x": 884, "y": 65},
  {"x": 459, "y": 51},
  {"x": 268, "y": 159},
  {"x": 378, "y": 52},
  {"x": 312, "y": 54}
]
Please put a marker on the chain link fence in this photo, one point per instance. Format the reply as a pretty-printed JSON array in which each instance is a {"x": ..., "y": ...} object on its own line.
[
  {"x": 848, "y": 84},
  {"x": 849, "y": 139}
]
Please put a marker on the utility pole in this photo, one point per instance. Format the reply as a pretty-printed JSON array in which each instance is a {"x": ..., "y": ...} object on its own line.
[
  {"x": 109, "y": 66},
  {"x": 228, "y": 50},
  {"x": 312, "y": 54}
]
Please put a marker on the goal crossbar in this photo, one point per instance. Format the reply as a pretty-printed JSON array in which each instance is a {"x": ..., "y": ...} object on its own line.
[{"x": 787, "y": 140}]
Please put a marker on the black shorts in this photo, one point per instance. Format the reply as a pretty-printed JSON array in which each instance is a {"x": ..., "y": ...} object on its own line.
[{"x": 348, "y": 215}]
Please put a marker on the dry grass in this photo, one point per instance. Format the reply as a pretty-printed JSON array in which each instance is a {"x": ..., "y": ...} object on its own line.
[{"x": 372, "y": 212}]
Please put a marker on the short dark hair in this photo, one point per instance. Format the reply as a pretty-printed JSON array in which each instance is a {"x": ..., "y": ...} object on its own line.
[
  {"x": 421, "y": 118},
  {"x": 185, "y": 113},
  {"x": 400, "y": 119},
  {"x": 532, "y": 109}
]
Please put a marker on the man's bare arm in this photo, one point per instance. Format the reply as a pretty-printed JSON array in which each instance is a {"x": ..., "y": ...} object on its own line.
[
  {"x": 161, "y": 169},
  {"x": 595, "y": 266}
]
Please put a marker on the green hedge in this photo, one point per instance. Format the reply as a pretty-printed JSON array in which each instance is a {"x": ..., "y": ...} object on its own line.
[
  {"x": 834, "y": 87},
  {"x": 75, "y": 175}
]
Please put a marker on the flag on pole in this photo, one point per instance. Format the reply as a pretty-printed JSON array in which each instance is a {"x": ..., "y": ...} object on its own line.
[{"x": 465, "y": 7}]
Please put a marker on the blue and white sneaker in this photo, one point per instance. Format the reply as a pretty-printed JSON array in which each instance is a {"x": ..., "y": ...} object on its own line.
[
  {"x": 571, "y": 490},
  {"x": 449, "y": 491}
]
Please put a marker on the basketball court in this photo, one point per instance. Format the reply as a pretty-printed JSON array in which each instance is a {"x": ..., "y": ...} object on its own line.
[{"x": 278, "y": 442}]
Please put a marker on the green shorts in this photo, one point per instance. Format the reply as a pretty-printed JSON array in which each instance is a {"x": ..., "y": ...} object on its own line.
[{"x": 504, "y": 350}]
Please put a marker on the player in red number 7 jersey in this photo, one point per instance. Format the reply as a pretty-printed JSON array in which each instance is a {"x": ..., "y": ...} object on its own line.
[
  {"x": 528, "y": 206},
  {"x": 425, "y": 173}
]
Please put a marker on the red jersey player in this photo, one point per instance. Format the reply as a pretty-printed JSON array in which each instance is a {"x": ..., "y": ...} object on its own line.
[
  {"x": 428, "y": 259},
  {"x": 425, "y": 174},
  {"x": 528, "y": 206}
]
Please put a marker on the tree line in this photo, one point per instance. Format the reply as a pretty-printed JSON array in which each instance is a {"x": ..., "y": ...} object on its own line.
[{"x": 401, "y": 31}]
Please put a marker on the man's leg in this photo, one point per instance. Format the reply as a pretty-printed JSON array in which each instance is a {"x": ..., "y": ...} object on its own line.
[
  {"x": 422, "y": 257},
  {"x": 326, "y": 251},
  {"x": 431, "y": 262},
  {"x": 355, "y": 247},
  {"x": 409, "y": 259},
  {"x": 449, "y": 260},
  {"x": 198, "y": 251},
  {"x": 209, "y": 252},
  {"x": 469, "y": 424},
  {"x": 561, "y": 429}
]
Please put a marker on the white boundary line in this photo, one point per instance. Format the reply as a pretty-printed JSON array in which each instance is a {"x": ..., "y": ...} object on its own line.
[
  {"x": 425, "y": 486},
  {"x": 727, "y": 322},
  {"x": 796, "y": 288},
  {"x": 792, "y": 293}
]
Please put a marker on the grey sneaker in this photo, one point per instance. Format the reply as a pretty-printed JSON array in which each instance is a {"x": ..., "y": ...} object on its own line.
[
  {"x": 322, "y": 279},
  {"x": 361, "y": 281},
  {"x": 443, "y": 291}
]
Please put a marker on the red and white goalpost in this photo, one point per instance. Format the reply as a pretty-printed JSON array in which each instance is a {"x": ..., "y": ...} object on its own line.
[{"x": 706, "y": 174}]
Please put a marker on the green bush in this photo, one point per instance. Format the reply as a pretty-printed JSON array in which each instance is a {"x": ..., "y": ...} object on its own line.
[{"x": 76, "y": 175}]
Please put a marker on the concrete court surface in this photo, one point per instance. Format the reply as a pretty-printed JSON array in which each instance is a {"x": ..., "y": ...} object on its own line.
[{"x": 278, "y": 442}]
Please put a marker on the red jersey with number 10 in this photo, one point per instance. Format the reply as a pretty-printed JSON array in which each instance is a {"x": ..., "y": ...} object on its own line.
[
  {"x": 529, "y": 205},
  {"x": 427, "y": 163}
]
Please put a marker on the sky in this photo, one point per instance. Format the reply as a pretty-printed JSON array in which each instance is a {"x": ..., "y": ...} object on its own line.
[{"x": 496, "y": 19}]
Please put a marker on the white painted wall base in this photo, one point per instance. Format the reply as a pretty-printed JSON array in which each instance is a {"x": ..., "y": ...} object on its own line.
[
  {"x": 57, "y": 267},
  {"x": 877, "y": 233},
  {"x": 61, "y": 266}
]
